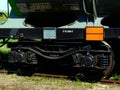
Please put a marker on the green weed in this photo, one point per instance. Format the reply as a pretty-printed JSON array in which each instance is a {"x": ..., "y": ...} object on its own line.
[{"x": 116, "y": 76}]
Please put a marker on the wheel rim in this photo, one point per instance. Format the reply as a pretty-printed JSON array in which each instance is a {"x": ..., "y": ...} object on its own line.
[{"x": 108, "y": 71}]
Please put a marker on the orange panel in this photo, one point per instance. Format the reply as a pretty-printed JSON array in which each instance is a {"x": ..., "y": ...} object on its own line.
[
  {"x": 94, "y": 37},
  {"x": 94, "y": 33},
  {"x": 94, "y": 30}
]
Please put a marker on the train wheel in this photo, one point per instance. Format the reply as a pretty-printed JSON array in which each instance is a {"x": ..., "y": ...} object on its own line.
[
  {"x": 97, "y": 63},
  {"x": 111, "y": 65},
  {"x": 26, "y": 70}
]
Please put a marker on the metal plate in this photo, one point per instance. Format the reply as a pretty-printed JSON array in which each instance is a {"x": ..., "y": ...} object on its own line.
[{"x": 49, "y": 33}]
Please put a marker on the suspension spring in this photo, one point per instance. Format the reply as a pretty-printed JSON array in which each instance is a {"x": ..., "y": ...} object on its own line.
[{"x": 104, "y": 62}]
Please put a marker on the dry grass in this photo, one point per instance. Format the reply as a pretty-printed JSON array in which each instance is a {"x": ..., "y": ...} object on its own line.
[{"x": 14, "y": 82}]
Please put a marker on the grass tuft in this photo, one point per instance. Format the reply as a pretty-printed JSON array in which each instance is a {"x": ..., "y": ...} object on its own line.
[{"x": 116, "y": 76}]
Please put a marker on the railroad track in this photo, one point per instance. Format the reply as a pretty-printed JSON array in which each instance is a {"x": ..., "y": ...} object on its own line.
[
  {"x": 35, "y": 74},
  {"x": 48, "y": 74},
  {"x": 103, "y": 81},
  {"x": 109, "y": 81}
]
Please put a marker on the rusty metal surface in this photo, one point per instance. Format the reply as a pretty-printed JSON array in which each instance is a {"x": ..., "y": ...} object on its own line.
[{"x": 109, "y": 81}]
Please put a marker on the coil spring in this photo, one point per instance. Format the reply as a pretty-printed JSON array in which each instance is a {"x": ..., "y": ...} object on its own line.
[
  {"x": 10, "y": 58},
  {"x": 33, "y": 58},
  {"x": 103, "y": 62}
]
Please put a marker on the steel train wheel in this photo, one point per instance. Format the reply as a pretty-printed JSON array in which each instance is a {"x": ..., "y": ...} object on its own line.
[
  {"x": 111, "y": 62},
  {"x": 94, "y": 73}
]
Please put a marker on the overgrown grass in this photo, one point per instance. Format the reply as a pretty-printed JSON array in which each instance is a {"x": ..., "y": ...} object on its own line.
[
  {"x": 4, "y": 49},
  {"x": 116, "y": 76},
  {"x": 59, "y": 82},
  {"x": 15, "y": 82}
]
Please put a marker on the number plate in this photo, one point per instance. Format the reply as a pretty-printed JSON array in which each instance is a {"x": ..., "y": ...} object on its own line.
[{"x": 49, "y": 33}]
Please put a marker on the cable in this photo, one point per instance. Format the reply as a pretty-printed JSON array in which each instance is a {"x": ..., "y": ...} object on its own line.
[
  {"x": 5, "y": 42},
  {"x": 84, "y": 8},
  {"x": 94, "y": 9}
]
